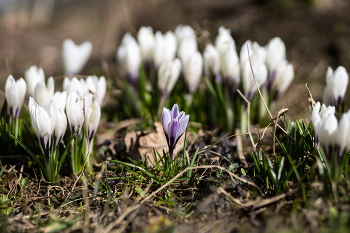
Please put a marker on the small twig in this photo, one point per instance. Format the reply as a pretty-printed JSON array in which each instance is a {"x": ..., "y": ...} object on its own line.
[
  {"x": 311, "y": 100},
  {"x": 280, "y": 113},
  {"x": 257, "y": 86},
  {"x": 230, "y": 197},
  {"x": 240, "y": 148},
  {"x": 248, "y": 103}
]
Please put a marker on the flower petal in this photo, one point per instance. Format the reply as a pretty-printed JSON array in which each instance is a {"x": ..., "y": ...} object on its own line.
[
  {"x": 173, "y": 133},
  {"x": 182, "y": 127},
  {"x": 175, "y": 111}
]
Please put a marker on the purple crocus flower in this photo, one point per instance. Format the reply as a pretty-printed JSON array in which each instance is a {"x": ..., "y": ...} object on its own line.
[{"x": 174, "y": 125}]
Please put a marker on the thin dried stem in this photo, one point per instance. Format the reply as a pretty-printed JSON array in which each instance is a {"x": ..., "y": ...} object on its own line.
[
  {"x": 248, "y": 103},
  {"x": 257, "y": 86}
]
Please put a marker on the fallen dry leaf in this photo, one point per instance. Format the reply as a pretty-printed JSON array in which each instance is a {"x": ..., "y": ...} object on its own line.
[{"x": 140, "y": 144}]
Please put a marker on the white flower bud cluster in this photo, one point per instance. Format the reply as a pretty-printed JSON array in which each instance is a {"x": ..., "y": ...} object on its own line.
[{"x": 219, "y": 61}]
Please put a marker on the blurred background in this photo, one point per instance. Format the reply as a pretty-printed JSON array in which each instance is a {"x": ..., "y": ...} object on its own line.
[{"x": 316, "y": 33}]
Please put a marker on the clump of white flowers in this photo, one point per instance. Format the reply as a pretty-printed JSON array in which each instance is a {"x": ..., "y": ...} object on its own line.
[{"x": 333, "y": 136}]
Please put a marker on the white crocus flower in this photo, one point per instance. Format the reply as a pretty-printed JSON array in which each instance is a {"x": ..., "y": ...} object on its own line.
[
  {"x": 43, "y": 122},
  {"x": 167, "y": 76},
  {"x": 15, "y": 92},
  {"x": 257, "y": 53},
  {"x": 184, "y": 31},
  {"x": 165, "y": 48},
  {"x": 74, "y": 84},
  {"x": 229, "y": 65},
  {"x": 284, "y": 77},
  {"x": 75, "y": 56},
  {"x": 224, "y": 36},
  {"x": 146, "y": 41},
  {"x": 337, "y": 83},
  {"x": 193, "y": 71},
  {"x": 60, "y": 127},
  {"x": 92, "y": 113},
  {"x": 249, "y": 85},
  {"x": 187, "y": 47},
  {"x": 343, "y": 133},
  {"x": 325, "y": 124},
  {"x": 276, "y": 52},
  {"x": 97, "y": 87},
  {"x": 60, "y": 99},
  {"x": 32, "y": 76},
  {"x": 74, "y": 109},
  {"x": 331, "y": 134},
  {"x": 328, "y": 132},
  {"x": 44, "y": 94},
  {"x": 211, "y": 60},
  {"x": 129, "y": 59}
]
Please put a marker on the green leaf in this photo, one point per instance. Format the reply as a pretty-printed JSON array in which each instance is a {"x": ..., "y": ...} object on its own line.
[
  {"x": 42, "y": 168},
  {"x": 140, "y": 192},
  {"x": 66, "y": 150},
  {"x": 24, "y": 182},
  {"x": 2, "y": 170}
]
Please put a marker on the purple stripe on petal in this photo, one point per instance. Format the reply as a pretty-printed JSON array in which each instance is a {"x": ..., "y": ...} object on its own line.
[
  {"x": 181, "y": 115},
  {"x": 91, "y": 135},
  {"x": 218, "y": 78},
  {"x": 16, "y": 113},
  {"x": 174, "y": 127},
  {"x": 175, "y": 111},
  {"x": 72, "y": 129},
  {"x": 182, "y": 126}
]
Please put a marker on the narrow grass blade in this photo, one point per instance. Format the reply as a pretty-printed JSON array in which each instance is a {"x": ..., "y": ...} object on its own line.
[{"x": 34, "y": 157}]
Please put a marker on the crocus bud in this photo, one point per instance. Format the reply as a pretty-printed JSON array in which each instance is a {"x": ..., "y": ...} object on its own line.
[
  {"x": 343, "y": 133},
  {"x": 212, "y": 62},
  {"x": 146, "y": 41},
  {"x": 97, "y": 87},
  {"x": 74, "y": 109},
  {"x": 60, "y": 99},
  {"x": 167, "y": 76},
  {"x": 337, "y": 83},
  {"x": 32, "y": 76},
  {"x": 187, "y": 47},
  {"x": 129, "y": 59},
  {"x": 229, "y": 65},
  {"x": 284, "y": 77},
  {"x": 15, "y": 92},
  {"x": 193, "y": 71},
  {"x": 42, "y": 94},
  {"x": 71, "y": 85},
  {"x": 43, "y": 122},
  {"x": 75, "y": 56},
  {"x": 165, "y": 48},
  {"x": 257, "y": 53},
  {"x": 224, "y": 36},
  {"x": 276, "y": 52},
  {"x": 174, "y": 126},
  {"x": 184, "y": 31},
  {"x": 60, "y": 127},
  {"x": 249, "y": 85},
  {"x": 92, "y": 112},
  {"x": 325, "y": 126}
]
